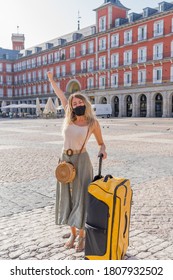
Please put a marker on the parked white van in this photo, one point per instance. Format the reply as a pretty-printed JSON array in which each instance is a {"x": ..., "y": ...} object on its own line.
[{"x": 102, "y": 110}]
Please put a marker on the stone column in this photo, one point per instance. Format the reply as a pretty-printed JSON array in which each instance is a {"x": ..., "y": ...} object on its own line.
[
  {"x": 121, "y": 106},
  {"x": 134, "y": 105},
  {"x": 165, "y": 105},
  {"x": 149, "y": 105}
]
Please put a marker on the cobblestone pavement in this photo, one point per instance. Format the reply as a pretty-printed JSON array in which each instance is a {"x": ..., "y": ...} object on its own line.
[{"x": 138, "y": 149}]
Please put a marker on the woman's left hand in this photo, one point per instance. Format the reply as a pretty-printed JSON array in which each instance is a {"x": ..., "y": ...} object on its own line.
[{"x": 103, "y": 152}]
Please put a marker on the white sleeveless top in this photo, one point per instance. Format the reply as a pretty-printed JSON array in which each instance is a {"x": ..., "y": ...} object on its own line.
[{"x": 74, "y": 137}]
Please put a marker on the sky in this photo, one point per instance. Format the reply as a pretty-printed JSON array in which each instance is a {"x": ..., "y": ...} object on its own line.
[{"x": 44, "y": 20}]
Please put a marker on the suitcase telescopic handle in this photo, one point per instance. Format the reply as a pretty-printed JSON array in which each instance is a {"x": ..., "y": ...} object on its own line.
[{"x": 100, "y": 164}]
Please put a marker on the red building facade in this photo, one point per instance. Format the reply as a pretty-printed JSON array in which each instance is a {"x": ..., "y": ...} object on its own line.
[{"x": 125, "y": 59}]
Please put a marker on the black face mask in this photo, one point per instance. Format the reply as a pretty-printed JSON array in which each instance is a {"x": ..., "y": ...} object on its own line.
[{"x": 80, "y": 110}]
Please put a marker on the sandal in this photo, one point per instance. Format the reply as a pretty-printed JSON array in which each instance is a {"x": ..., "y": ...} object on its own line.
[
  {"x": 80, "y": 245},
  {"x": 70, "y": 242}
]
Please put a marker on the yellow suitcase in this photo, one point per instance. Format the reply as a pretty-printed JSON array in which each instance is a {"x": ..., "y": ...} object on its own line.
[{"x": 108, "y": 218}]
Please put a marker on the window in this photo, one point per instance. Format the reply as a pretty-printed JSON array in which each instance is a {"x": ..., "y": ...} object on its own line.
[
  {"x": 9, "y": 92},
  {"x": 83, "y": 49},
  {"x": 63, "y": 70},
  {"x": 34, "y": 76},
  {"x": 73, "y": 68},
  {"x": 158, "y": 51},
  {"x": 91, "y": 47},
  {"x": 1, "y": 79},
  {"x": 128, "y": 57},
  {"x": 142, "y": 54},
  {"x": 102, "y": 62},
  {"x": 102, "y": 44},
  {"x": 44, "y": 59},
  {"x": 128, "y": 37},
  {"x": 83, "y": 66},
  {"x": 90, "y": 83},
  {"x": 33, "y": 61},
  {"x": 1, "y": 67},
  {"x": 45, "y": 88},
  {"x": 171, "y": 73},
  {"x": 62, "y": 55},
  {"x": 115, "y": 40},
  {"x": 102, "y": 82},
  {"x": 114, "y": 80},
  {"x": 127, "y": 78},
  {"x": 58, "y": 71},
  {"x": 57, "y": 56},
  {"x": 142, "y": 33},
  {"x": 102, "y": 24},
  {"x": 172, "y": 49},
  {"x": 45, "y": 74},
  {"x": 90, "y": 65},
  {"x": 8, "y": 67},
  {"x": 39, "y": 89},
  {"x": 28, "y": 64},
  {"x": 72, "y": 52},
  {"x": 114, "y": 60},
  {"x": 158, "y": 28},
  {"x": 141, "y": 77},
  {"x": 29, "y": 90},
  {"x": 39, "y": 75},
  {"x": 34, "y": 89},
  {"x": 24, "y": 91},
  {"x": 157, "y": 75},
  {"x": 39, "y": 61},
  {"x": 50, "y": 58},
  {"x": 1, "y": 92},
  {"x": 9, "y": 80},
  {"x": 24, "y": 78}
]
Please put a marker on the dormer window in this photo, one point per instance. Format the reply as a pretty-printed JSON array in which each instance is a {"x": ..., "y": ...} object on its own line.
[{"x": 102, "y": 24}]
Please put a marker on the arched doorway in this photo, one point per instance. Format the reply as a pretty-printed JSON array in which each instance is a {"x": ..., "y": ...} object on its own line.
[
  {"x": 143, "y": 106},
  {"x": 129, "y": 106},
  {"x": 103, "y": 100},
  {"x": 73, "y": 86},
  {"x": 116, "y": 106},
  {"x": 158, "y": 105}
]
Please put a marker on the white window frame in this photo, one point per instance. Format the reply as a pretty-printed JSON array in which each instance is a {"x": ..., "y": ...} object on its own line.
[
  {"x": 63, "y": 70},
  {"x": 142, "y": 54},
  {"x": 72, "y": 52},
  {"x": 115, "y": 40},
  {"x": 158, "y": 51},
  {"x": 90, "y": 83},
  {"x": 102, "y": 44},
  {"x": 127, "y": 79},
  {"x": 102, "y": 62},
  {"x": 142, "y": 77},
  {"x": 102, "y": 24},
  {"x": 73, "y": 68},
  {"x": 57, "y": 56},
  {"x": 114, "y": 80},
  {"x": 1, "y": 79},
  {"x": 1, "y": 92},
  {"x": 102, "y": 82},
  {"x": 156, "y": 72},
  {"x": 158, "y": 28},
  {"x": 128, "y": 57},
  {"x": 91, "y": 47},
  {"x": 9, "y": 92},
  {"x": 83, "y": 66},
  {"x": 142, "y": 33},
  {"x": 128, "y": 37},
  {"x": 58, "y": 71},
  {"x": 171, "y": 73},
  {"x": 83, "y": 49},
  {"x": 114, "y": 60},
  {"x": 8, "y": 68},
  {"x": 90, "y": 65},
  {"x": 45, "y": 88}
]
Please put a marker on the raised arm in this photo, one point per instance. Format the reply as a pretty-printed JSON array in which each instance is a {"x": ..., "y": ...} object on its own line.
[{"x": 57, "y": 90}]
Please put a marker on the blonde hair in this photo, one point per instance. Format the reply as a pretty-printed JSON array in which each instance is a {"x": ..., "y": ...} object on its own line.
[{"x": 70, "y": 115}]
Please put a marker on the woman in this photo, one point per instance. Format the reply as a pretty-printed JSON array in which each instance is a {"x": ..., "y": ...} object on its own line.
[{"x": 79, "y": 123}]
